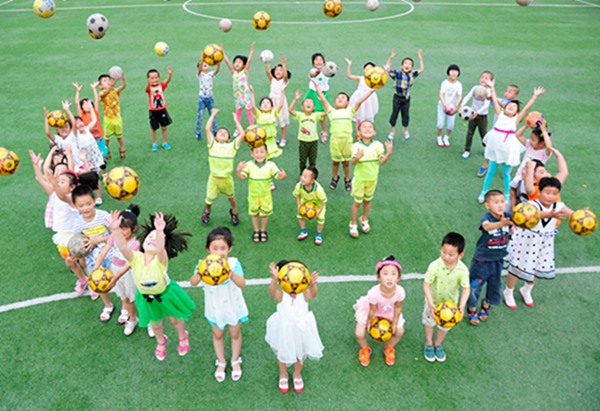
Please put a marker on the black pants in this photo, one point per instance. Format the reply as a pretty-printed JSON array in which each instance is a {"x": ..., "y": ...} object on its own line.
[
  {"x": 401, "y": 105},
  {"x": 308, "y": 151},
  {"x": 479, "y": 122}
]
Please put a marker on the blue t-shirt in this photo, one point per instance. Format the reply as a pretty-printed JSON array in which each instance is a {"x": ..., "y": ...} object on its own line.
[{"x": 493, "y": 244}]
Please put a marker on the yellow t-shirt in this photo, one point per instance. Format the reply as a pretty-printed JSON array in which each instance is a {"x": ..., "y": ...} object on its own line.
[
  {"x": 307, "y": 125},
  {"x": 111, "y": 104},
  {"x": 367, "y": 168},
  {"x": 316, "y": 194},
  {"x": 220, "y": 158},
  {"x": 268, "y": 121},
  {"x": 151, "y": 279},
  {"x": 259, "y": 177},
  {"x": 340, "y": 122}
]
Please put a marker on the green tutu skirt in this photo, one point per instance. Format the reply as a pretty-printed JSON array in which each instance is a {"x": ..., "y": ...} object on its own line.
[
  {"x": 174, "y": 303},
  {"x": 314, "y": 96}
]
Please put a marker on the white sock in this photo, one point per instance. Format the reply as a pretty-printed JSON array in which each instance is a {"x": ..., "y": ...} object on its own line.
[
  {"x": 509, "y": 290},
  {"x": 527, "y": 287}
]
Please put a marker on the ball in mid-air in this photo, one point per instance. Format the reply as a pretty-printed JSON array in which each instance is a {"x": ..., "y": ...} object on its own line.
[
  {"x": 465, "y": 113},
  {"x": 332, "y": 8},
  {"x": 161, "y": 49},
  {"x": 122, "y": 183},
  {"x": 9, "y": 162},
  {"x": 583, "y": 222},
  {"x": 214, "y": 269},
  {"x": 526, "y": 215},
  {"x": 375, "y": 77},
  {"x": 330, "y": 69},
  {"x": 447, "y": 314},
  {"x": 44, "y": 8},
  {"x": 266, "y": 56},
  {"x": 534, "y": 119},
  {"x": 261, "y": 20},
  {"x": 225, "y": 25},
  {"x": 115, "y": 72},
  {"x": 57, "y": 118},
  {"x": 294, "y": 277},
  {"x": 255, "y": 136},
  {"x": 372, "y": 5},
  {"x": 381, "y": 329},
  {"x": 77, "y": 246},
  {"x": 97, "y": 25},
  {"x": 212, "y": 54},
  {"x": 99, "y": 280},
  {"x": 308, "y": 210}
]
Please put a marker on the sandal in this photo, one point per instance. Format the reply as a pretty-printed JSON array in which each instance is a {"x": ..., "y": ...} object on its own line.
[
  {"x": 220, "y": 375},
  {"x": 323, "y": 137},
  {"x": 472, "y": 315},
  {"x": 184, "y": 349},
  {"x": 205, "y": 217},
  {"x": 364, "y": 225},
  {"x": 390, "y": 355},
  {"x": 108, "y": 156},
  {"x": 334, "y": 182},
  {"x": 298, "y": 385},
  {"x": 161, "y": 350},
  {"x": 106, "y": 313},
  {"x": 235, "y": 219},
  {"x": 236, "y": 374},
  {"x": 353, "y": 230},
  {"x": 122, "y": 153},
  {"x": 284, "y": 385},
  {"x": 348, "y": 184},
  {"x": 484, "y": 313},
  {"x": 256, "y": 237},
  {"x": 264, "y": 237}
]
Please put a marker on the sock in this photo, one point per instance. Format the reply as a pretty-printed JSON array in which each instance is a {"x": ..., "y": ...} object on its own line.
[
  {"x": 527, "y": 287},
  {"x": 510, "y": 290}
]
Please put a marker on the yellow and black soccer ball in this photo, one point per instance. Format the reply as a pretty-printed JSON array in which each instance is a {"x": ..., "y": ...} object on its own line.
[
  {"x": 526, "y": 215},
  {"x": 447, "y": 314},
  {"x": 122, "y": 183},
  {"x": 212, "y": 54},
  {"x": 261, "y": 20},
  {"x": 381, "y": 329},
  {"x": 44, "y": 8},
  {"x": 308, "y": 210},
  {"x": 332, "y": 8},
  {"x": 9, "y": 162},
  {"x": 57, "y": 118},
  {"x": 375, "y": 77},
  {"x": 255, "y": 136},
  {"x": 294, "y": 277},
  {"x": 214, "y": 269},
  {"x": 583, "y": 222},
  {"x": 99, "y": 280}
]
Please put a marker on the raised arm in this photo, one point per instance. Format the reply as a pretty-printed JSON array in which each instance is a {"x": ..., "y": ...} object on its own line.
[
  {"x": 217, "y": 69},
  {"x": 363, "y": 98},
  {"x": 389, "y": 147},
  {"x": 492, "y": 85},
  {"x": 169, "y": 76},
  {"x": 528, "y": 178},
  {"x": 283, "y": 61},
  {"x": 313, "y": 289},
  {"x": 240, "y": 130},
  {"x": 77, "y": 94},
  {"x": 268, "y": 71},
  {"x": 538, "y": 91},
  {"x": 36, "y": 159},
  {"x": 520, "y": 135},
  {"x": 208, "y": 128},
  {"x": 274, "y": 290},
  {"x": 563, "y": 170},
  {"x": 159, "y": 225},
  {"x": 253, "y": 100},
  {"x": 123, "y": 84},
  {"x": 349, "y": 69},
  {"x": 324, "y": 101},
  {"x": 229, "y": 65},
  {"x": 388, "y": 64},
  {"x": 421, "y": 64},
  {"x": 94, "y": 87},
  {"x": 291, "y": 106},
  {"x": 67, "y": 107},
  {"x": 247, "y": 68},
  {"x": 546, "y": 135},
  {"x": 94, "y": 119},
  {"x": 114, "y": 224},
  {"x": 47, "y": 130}
]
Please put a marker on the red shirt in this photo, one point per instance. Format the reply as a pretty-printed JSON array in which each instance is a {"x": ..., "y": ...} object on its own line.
[{"x": 156, "y": 97}]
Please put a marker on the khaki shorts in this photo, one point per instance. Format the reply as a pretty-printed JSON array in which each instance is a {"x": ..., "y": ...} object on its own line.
[
  {"x": 363, "y": 190},
  {"x": 260, "y": 205},
  {"x": 341, "y": 149},
  {"x": 219, "y": 185},
  {"x": 113, "y": 126},
  {"x": 428, "y": 320}
]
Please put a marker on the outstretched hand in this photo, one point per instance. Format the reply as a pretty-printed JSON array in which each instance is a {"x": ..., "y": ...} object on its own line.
[
  {"x": 114, "y": 221},
  {"x": 159, "y": 222},
  {"x": 274, "y": 271}
]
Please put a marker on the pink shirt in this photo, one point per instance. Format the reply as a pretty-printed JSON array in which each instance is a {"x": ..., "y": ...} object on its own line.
[
  {"x": 385, "y": 306},
  {"x": 118, "y": 259},
  {"x": 531, "y": 154}
]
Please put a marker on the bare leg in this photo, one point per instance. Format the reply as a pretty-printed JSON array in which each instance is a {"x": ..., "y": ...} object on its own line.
[
  {"x": 354, "y": 212},
  {"x": 264, "y": 220},
  {"x": 298, "y": 369},
  {"x": 233, "y": 205},
  {"x": 429, "y": 335},
  {"x": 360, "y": 335},
  {"x": 164, "y": 134},
  {"x": 255, "y": 222},
  {"x": 106, "y": 300},
  {"x": 153, "y": 134},
  {"x": 235, "y": 331},
  {"x": 440, "y": 337},
  {"x": 366, "y": 209},
  {"x": 219, "y": 346},
  {"x": 346, "y": 167},
  {"x": 396, "y": 337},
  {"x": 334, "y": 169}
]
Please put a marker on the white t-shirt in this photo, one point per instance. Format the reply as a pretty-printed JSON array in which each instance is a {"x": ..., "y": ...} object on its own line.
[
  {"x": 322, "y": 81},
  {"x": 64, "y": 216},
  {"x": 481, "y": 107},
  {"x": 205, "y": 81},
  {"x": 450, "y": 92},
  {"x": 69, "y": 141}
]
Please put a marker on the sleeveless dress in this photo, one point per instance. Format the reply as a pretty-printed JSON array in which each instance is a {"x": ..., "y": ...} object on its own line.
[
  {"x": 369, "y": 108},
  {"x": 501, "y": 143},
  {"x": 292, "y": 331},
  {"x": 277, "y": 94},
  {"x": 242, "y": 97}
]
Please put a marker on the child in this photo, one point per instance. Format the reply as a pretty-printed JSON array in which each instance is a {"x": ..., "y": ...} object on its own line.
[
  {"x": 511, "y": 93},
  {"x": 340, "y": 127},
  {"x": 501, "y": 145},
  {"x": 486, "y": 266},
  {"x": 368, "y": 110},
  {"x": 383, "y": 300},
  {"x": 292, "y": 330},
  {"x": 278, "y": 77},
  {"x": 308, "y": 189},
  {"x": 480, "y": 112},
  {"x": 534, "y": 172},
  {"x": 205, "y": 95},
  {"x": 367, "y": 155},
  {"x": 241, "y": 90},
  {"x": 113, "y": 123},
  {"x": 221, "y": 153},
  {"x": 64, "y": 138},
  {"x": 224, "y": 304},
  {"x": 443, "y": 279},
  {"x": 260, "y": 203},
  {"x": 450, "y": 95},
  {"x": 159, "y": 116},
  {"x": 317, "y": 79},
  {"x": 531, "y": 252},
  {"x": 266, "y": 116},
  {"x": 308, "y": 145},
  {"x": 405, "y": 77},
  {"x": 156, "y": 296},
  {"x": 122, "y": 281},
  {"x": 87, "y": 148}
]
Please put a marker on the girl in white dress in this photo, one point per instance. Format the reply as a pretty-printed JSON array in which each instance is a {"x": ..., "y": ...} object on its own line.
[
  {"x": 369, "y": 108},
  {"x": 292, "y": 330},
  {"x": 279, "y": 77}
]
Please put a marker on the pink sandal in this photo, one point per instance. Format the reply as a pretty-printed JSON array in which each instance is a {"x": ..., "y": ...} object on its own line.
[
  {"x": 161, "y": 350},
  {"x": 183, "y": 349}
]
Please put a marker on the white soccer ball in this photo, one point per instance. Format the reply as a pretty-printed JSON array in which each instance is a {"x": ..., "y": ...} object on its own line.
[
  {"x": 465, "y": 113},
  {"x": 97, "y": 25},
  {"x": 330, "y": 69},
  {"x": 115, "y": 72},
  {"x": 372, "y": 5},
  {"x": 225, "y": 25},
  {"x": 44, "y": 8},
  {"x": 524, "y": 2},
  {"x": 480, "y": 93},
  {"x": 266, "y": 56}
]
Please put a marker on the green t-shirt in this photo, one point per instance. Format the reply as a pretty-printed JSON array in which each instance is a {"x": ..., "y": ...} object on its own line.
[
  {"x": 220, "y": 158},
  {"x": 307, "y": 125},
  {"x": 446, "y": 284},
  {"x": 259, "y": 177},
  {"x": 268, "y": 121},
  {"x": 316, "y": 194},
  {"x": 367, "y": 167},
  {"x": 340, "y": 122}
]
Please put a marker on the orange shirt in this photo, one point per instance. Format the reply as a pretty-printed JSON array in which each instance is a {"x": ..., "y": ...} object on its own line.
[
  {"x": 110, "y": 102},
  {"x": 97, "y": 131}
]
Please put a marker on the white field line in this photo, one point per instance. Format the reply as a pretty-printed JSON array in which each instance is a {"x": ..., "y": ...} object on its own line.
[
  {"x": 265, "y": 281},
  {"x": 588, "y": 3},
  {"x": 6, "y": 2}
]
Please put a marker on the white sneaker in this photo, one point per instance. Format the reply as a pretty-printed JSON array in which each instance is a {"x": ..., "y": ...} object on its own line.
[
  {"x": 283, "y": 143},
  {"x": 466, "y": 155},
  {"x": 130, "y": 327},
  {"x": 390, "y": 136},
  {"x": 481, "y": 199},
  {"x": 123, "y": 317},
  {"x": 527, "y": 299},
  {"x": 446, "y": 141},
  {"x": 235, "y": 134},
  {"x": 509, "y": 299},
  {"x": 407, "y": 137},
  {"x": 150, "y": 332},
  {"x": 440, "y": 142}
]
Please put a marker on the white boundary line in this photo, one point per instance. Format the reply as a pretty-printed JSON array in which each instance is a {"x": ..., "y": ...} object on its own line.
[
  {"x": 264, "y": 281},
  {"x": 588, "y": 3},
  {"x": 6, "y": 2}
]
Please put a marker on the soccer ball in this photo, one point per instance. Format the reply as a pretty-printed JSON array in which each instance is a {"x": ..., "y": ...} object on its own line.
[
  {"x": 294, "y": 277},
  {"x": 524, "y": 2},
  {"x": 161, "y": 48},
  {"x": 214, "y": 269},
  {"x": 583, "y": 222},
  {"x": 115, "y": 72},
  {"x": 450, "y": 110},
  {"x": 97, "y": 25},
  {"x": 372, "y": 5},
  {"x": 266, "y": 56},
  {"x": 122, "y": 183},
  {"x": 534, "y": 119},
  {"x": 526, "y": 215},
  {"x": 261, "y": 20},
  {"x": 308, "y": 210},
  {"x": 213, "y": 54},
  {"x": 480, "y": 93},
  {"x": 99, "y": 280},
  {"x": 375, "y": 77},
  {"x": 255, "y": 136},
  {"x": 332, "y": 8},
  {"x": 447, "y": 314},
  {"x": 465, "y": 113},
  {"x": 225, "y": 25},
  {"x": 330, "y": 69},
  {"x": 381, "y": 329},
  {"x": 57, "y": 118},
  {"x": 77, "y": 246},
  {"x": 44, "y": 8},
  {"x": 9, "y": 162}
]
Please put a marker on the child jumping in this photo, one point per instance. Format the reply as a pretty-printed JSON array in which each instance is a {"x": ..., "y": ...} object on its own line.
[
  {"x": 206, "y": 100},
  {"x": 159, "y": 116},
  {"x": 266, "y": 115},
  {"x": 308, "y": 145},
  {"x": 308, "y": 189},
  {"x": 278, "y": 77},
  {"x": 241, "y": 90},
  {"x": 316, "y": 78}
]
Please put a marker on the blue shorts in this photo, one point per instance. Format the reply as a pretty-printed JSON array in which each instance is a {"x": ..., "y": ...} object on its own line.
[{"x": 482, "y": 272}]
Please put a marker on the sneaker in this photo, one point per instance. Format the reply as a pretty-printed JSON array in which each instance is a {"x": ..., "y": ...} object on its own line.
[
  {"x": 123, "y": 317},
  {"x": 283, "y": 143},
  {"x": 390, "y": 355},
  {"x": 130, "y": 327},
  {"x": 318, "y": 239},
  {"x": 166, "y": 146},
  {"x": 80, "y": 286},
  {"x": 235, "y": 219},
  {"x": 473, "y": 317},
  {"x": 390, "y": 137},
  {"x": 154, "y": 147},
  {"x": 446, "y": 141},
  {"x": 151, "y": 332},
  {"x": 198, "y": 136},
  {"x": 94, "y": 295},
  {"x": 98, "y": 201},
  {"x": 273, "y": 188},
  {"x": 509, "y": 299},
  {"x": 364, "y": 356},
  {"x": 429, "y": 353},
  {"x": 481, "y": 199},
  {"x": 303, "y": 235},
  {"x": 466, "y": 155},
  {"x": 276, "y": 141},
  {"x": 527, "y": 299},
  {"x": 205, "y": 217},
  {"x": 407, "y": 137},
  {"x": 440, "y": 142},
  {"x": 482, "y": 171},
  {"x": 440, "y": 354}
]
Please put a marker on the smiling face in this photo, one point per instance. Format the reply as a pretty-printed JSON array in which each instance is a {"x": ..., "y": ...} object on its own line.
[
  {"x": 266, "y": 105},
  {"x": 220, "y": 247},
  {"x": 407, "y": 65},
  {"x": 549, "y": 195},
  {"x": 222, "y": 135},
  {"x": 278, "y": 72},
  {"x": 80, "y": 125},
  {"x": 496, "y": 205},
  {"x": 106, "y": 83},
  {"x": 453, "y": 75},
  {"x": 149, "y": 244},
  {"x": 153, "y": 78},
  {"x": 259, "y": 154},
  {"x": 307, "y": 178},
  {"x": 484, "y": 78},
  {"x": 511, "y": 93},
  {"x": 318, "y": 62},
  {"x": 85, "y": 205},
  {"x": 388, "y": 276},
  {"x": 536, "y": 142},
  {"x": 511, "y": 109},
  {"x": 366, "y": 130},
  {"x": 238, "y": 64},
  {"x": 341, "y": 101},
  {"x": 308, "y": 106},
  {"x": 64, "y": 130},
  {"x": 64, "y": 184}
]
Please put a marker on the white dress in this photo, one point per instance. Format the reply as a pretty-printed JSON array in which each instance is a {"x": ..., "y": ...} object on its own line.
[
  {"x": 277, "y": 94},
  {"x": 501, "y": 143},
  {"x": 292, "y": 331},
  {"x": 369, "y": 108}
]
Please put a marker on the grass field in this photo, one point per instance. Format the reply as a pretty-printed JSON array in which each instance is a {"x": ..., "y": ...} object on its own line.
[{"x": 59, "y": 356}]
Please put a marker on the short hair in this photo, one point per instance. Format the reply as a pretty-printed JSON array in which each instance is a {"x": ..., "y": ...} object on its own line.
[
  {"x": 314, "y": 56},
  {"x": 81, "y": 191},
  {"x": 313, "y": 171},
  {"x": 492, "y": 193},
  {"x": 455, "y": 240},
  {"x": 243, "y": 59},
  {"x": 368, "y": 63},
  {"x": 259, "y": 146},
  {"x": 343, "y": 94},
  {"x": 101, "y": 76},
  {"x": 220, "y": 233},
  {"x": 549, "y": 182},
  {"x": 452, "y": 67},
  {"x": 488, "y": 72},
  {"x": 409, "y": 59},
  {"x": 152, "y": 71},
  {"x": 538, "y": 164},
  {"x": 515, "y": 87}
]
